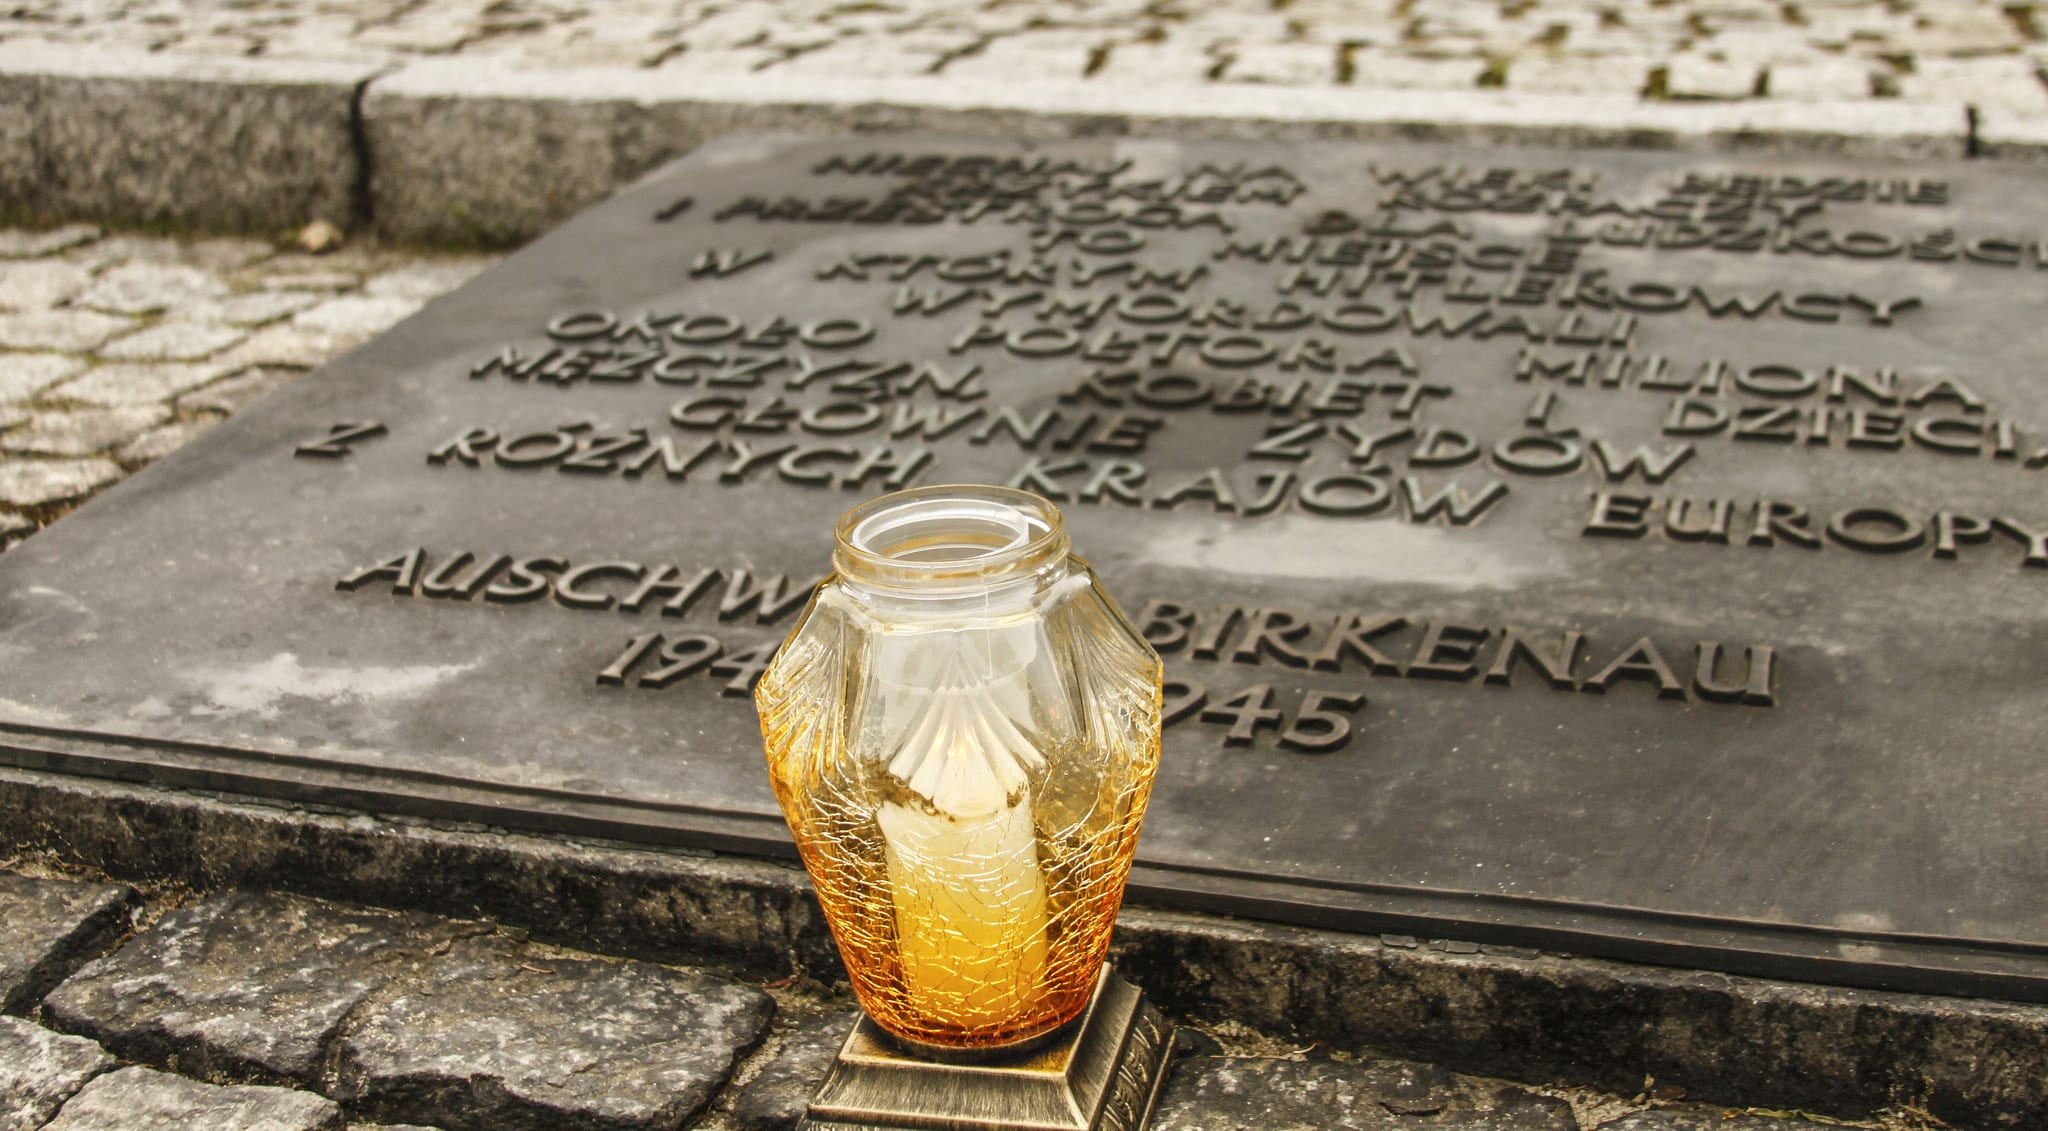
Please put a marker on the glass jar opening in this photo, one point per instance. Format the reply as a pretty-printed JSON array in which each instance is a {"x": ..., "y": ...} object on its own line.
[{"x": 947, "y": 538}]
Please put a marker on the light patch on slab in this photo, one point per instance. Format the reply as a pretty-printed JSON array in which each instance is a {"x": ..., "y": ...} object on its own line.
[
  {"x": 1298, "y": 546},
  {"x": 257, "y": 689}
]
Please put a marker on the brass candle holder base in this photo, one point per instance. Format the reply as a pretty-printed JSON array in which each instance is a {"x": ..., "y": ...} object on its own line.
[{"x": 1100, "y": 1073}]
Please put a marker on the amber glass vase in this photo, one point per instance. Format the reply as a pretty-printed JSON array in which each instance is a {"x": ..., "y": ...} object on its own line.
[{"x": 962, "y": 731}]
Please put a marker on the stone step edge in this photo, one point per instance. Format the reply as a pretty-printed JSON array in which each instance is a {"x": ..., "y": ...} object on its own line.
[
  {"x": 1538, "y": 1017},
  {"x": 480, "y": 150}
]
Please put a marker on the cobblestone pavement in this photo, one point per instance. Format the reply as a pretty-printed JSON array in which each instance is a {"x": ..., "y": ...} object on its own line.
[
  {"x": 116, "y": 349},
  {"x": 1984, "y": 52},
  {"x": 253, "y": 1011}
]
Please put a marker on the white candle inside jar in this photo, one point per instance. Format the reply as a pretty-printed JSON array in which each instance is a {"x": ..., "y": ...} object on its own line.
[{"x": 961, "y": 852}]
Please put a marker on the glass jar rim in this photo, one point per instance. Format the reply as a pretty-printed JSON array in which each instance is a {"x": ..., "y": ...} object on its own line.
[{"x": 947, "y": 537}]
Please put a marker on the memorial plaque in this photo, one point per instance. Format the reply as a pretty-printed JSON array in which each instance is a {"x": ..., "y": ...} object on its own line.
[{"x": 1636, "y": 555}]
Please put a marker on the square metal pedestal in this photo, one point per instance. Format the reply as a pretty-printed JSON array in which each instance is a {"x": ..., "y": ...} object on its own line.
[{"x": 1102, "y": 1074}]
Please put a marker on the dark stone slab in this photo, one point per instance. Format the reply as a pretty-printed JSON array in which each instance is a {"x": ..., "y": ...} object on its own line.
[
  {"x": 39, "y": 1070},
  {"x": 1509, "y": 545},
  {"x": 1704, "y": 1120},
  {"x": 776, "y": 1097},
  {"x": 246, "y": 986},
  {"x": 49, "y": 927},
  {"x": 1216, "y": 1093},
  {"x": 142, "y": 1099},
  {"x": 489, "y": 1039}
]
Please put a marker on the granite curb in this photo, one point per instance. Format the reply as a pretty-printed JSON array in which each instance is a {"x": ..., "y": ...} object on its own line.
[
  {"x": 487, "y": 151},
  {"x": 1487, "y": 1010}
]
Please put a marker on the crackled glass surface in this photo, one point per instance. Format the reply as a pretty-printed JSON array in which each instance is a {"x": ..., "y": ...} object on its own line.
[{"x": 962, "y": 731}]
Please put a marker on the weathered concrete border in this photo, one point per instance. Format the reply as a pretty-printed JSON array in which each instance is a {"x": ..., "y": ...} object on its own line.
[
  {"x": 150, "y": 138},
  {"x": 2008, "y": 136},
  {"x": 1492, "y": 1011},
  {"x": 479, "y": 150}
]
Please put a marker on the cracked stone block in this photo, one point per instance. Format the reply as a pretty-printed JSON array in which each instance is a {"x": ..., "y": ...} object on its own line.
[
  {"x": 17, "y": 243},
  {"x": 33, "y": 483},
  {"x": 485, "y": 1040},
  {"x": 137, "y": 384},
  {"x": 145, "y": 288},
  {"x": 141, "y": 1099},
  {"x": 40, "y": 284},
  {"x": 83, "y": 432},
  {"x": 23, "y": 375},
  {"x": 13, "y": 524},
  {"x": 1283, "y": 64},
  {"x": 49, "y": 927},
  {"x": 220, "y": 143},
  {"x": 355, "y": 316},
  {"x": 1820, "y": 81},
  {"x": 1403, "y": 73},
  {"x": 2004, "y": 82},
  {"x": 776, "y": 1098},
  {"x": 253, "y": 309},
  {"x": 285, "y": 345},
  {"x": 232, "y": 395},
  {"x": 67, "y": 331},
  {"x": 1691, "y": 76},
  {"x": 157, "y": 443},
  {"x": 1213, "y": 1093},
  {"x": 1158, "y": 62},
  {"x": 1610, "y": 75},
  {"x": 173, "y": 341},
  {"x": 39, "y": 1070},
  {"x": 247, "y": 985}
]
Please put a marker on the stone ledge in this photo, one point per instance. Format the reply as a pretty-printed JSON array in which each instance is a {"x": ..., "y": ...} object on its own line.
[
  {"x": 1533, "y": 1017},
  {"x": 479, "y": 150},
  {"x": 469, "y": 149},
  {"x": 2011, "y": 136},
  {"x": 150, "y": 137}
]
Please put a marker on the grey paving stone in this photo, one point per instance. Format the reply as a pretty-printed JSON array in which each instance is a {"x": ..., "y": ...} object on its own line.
[
  {"x": 20, "y": 243},
  {"x": 355, "y": 316},
  {"x": 141, "y": 1099},
  {"x": 49, "y": 927},
  {"x": 423, "y": 281},
  {"x": 485, "y": 1040},
  {"x": 312, "y": 281},
  {"x": 223, "y": 254},
  {"x": 231, "y": 144},
  {"x": 252, "y": 309},
  {"x": 249, "y": 986},
  {"x": 39, "y": 284},
  {"x": 145, "y": 288},
  {"x": 173, "y": 341},
  {"x": 1211, "y": 1093},
  {"x": 39, "y": 1070},
  {"x": 137, "y": 384},
  {"x": 67, "y": 331},
  {"x": 230, "y": 396},
  {"x": 157, "y": 443},
  {"x": 23, "y": 375},
  {"x": 284, "y": 345},
  {"x": 33, "y": 483},
  {"x": 776, "y": 1098},
  {"x": 1691, "y": 76},
  {"x": 83, "y": 432}
]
